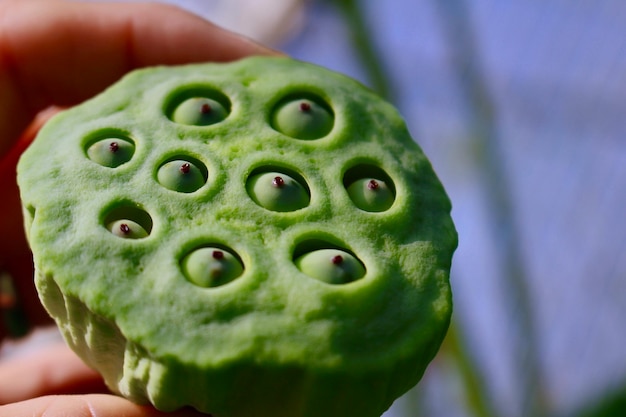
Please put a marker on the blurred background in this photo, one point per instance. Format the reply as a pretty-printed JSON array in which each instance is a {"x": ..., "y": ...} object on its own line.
[{"x": 521, "y": 107}]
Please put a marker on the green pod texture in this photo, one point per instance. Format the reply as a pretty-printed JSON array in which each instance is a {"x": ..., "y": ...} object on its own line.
[{"x": 172, "y": 269}]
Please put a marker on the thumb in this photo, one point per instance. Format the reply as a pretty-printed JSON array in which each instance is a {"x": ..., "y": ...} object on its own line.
[{"x": 92, "y": 405}]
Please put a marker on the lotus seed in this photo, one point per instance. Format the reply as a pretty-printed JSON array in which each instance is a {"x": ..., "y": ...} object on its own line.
[
  {"x": 277, "y": 192},
  {"x": 199, "y": 111},
  {"x": 302, "y": 119},
  {"x": 211, "y": 267},
  {"x": 127, "y": 229},
  {"x": 181, "y": 176},
  {"x": 332, "y": 266},
  {"x": 111, "y": 152},
  {"x": 371, "y": 194}
]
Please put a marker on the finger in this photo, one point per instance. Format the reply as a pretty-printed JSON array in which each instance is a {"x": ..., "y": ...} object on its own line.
[
  {"x": 58, "y": 52},
  {"x": 51, "y": 369},
  {"x": 93, "y": 405}
]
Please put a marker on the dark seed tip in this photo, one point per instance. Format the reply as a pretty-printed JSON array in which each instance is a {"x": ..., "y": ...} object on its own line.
[
  {"x": 124, "y": 228},
  {"x": 337, "y": 259},
  {"x": 218, "y": 254},
  {"x": 372, "y": 185},
  {"x": 114, "y": 147},
  {"x": 278, "y": 182},
  {"x": 305, "y": 107},
  {"x": 205, "y": 109},
  {"x": 184, "y": 168}
]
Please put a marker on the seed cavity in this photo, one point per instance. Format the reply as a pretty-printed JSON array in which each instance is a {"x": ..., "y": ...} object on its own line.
[
  {"x": 200, "y": 110},
  {"x": 183, "y": 174},
  {"x": 303, "y": 117},
  {"x": 277, "y": 191},
  {"x": 370, "y": 188},
  {"x": 371, "y": 195},
  {"x": 211, "y": 266},
  {"x": 332, "y": 266},
  {"x": 111, "y": 152},
  {"x": 128, "y": 221},
  {"x": 127, "y": 229}
]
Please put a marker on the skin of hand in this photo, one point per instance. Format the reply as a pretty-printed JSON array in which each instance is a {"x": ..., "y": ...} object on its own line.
[{"x": 56, "y": 53}]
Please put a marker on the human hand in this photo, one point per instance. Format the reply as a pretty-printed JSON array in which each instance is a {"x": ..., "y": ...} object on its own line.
[
  {"x": 49, "y": 379},
  {"x": 59, "y": 53}
]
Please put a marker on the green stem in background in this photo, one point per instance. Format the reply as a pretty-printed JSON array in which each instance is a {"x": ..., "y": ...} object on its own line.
[
  {"x": 365, "y": 46},
  {"x": 489, "y": 159},
  {"x": 469, "y": 372}
]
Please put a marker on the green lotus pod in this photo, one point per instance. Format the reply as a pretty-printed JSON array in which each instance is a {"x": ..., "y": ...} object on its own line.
[
  {"x": 277, "y": 192},
  {"x": 229, "y": 305},
  {"x": 302, "y": 119}
]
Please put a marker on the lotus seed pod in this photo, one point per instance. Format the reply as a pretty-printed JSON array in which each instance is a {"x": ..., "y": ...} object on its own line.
[
  {"x": 111, "y": 152},
  {"x": 181, "y": 176},
  {"x": 370, "y": 194},
  {"x": 127, "y": 229},
  {"x": 331, "y": 265},
  {"x": 266, "y": 292},
  {"x": 199, "y": 111},
  {"x": 277, "y": 192},
  {"x": 302, "y": 119},
  {"x": 211, "y": 267}
]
